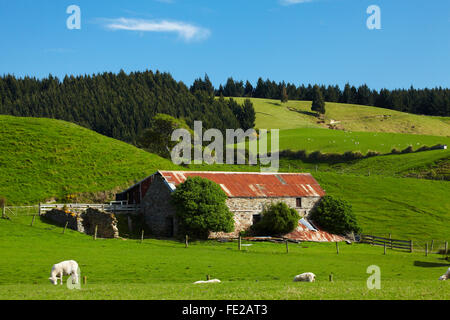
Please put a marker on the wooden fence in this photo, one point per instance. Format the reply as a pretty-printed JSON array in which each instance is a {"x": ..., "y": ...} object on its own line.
[
  {"x": 388, "y": 242},
  {"x": 118, "y": 208}
]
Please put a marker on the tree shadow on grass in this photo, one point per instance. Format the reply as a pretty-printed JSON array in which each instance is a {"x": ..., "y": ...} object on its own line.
[
  {"x": 425, "y": 264},
  {"x": 308, "y": 113}
]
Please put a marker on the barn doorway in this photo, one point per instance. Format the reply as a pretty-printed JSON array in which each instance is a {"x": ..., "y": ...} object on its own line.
[{"x": 170, "y": 227}]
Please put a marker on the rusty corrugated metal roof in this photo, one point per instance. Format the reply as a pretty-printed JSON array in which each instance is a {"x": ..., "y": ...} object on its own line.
[
  {"x": 302, "y": 233},
  {"x": 254, "y": 184}
]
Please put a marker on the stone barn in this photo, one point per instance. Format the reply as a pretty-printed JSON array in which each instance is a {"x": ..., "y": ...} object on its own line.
[{"x": 248, "y": 194}]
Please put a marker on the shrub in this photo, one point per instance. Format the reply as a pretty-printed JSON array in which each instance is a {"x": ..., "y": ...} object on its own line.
[
  {"x": 335, "y": 216},
  {"x": 201, "y": 208},
  {"x": 395, "y": 151},
  {"x": 277, "y": 219},
  {"x": 409, "y": 149}
]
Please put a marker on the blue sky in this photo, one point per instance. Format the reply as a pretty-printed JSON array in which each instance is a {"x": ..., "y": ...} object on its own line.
[{"x": 299, "y": 41}]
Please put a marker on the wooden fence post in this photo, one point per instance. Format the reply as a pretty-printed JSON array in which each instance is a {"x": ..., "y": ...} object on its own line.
[
  {"x": 84, "y": 280},
  {"x": 426, "y": 249},
  {"x": 330, "y": 277},
  {"x": 3, "y": 210},
  {"x": 337, "y": 247},
  {"x": 95, "y": 232},
  {"x": 65, "y": 227},
  {"x": 239, "y": 243},
  {"x": 432, "y": 245},
  {"x": 40, "y": 209},
  {"x": 208, "y": 277},
  {"x": 186, "y": 241},
  {"x": 411, "y": 245},
  {"x": 32, "y": 221},
  {"x": 142, "y": 236}
]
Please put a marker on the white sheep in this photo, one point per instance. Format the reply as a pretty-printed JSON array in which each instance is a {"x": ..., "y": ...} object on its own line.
[
  {"x": 208, "y": 281},
  {"x": 64, "y": 268},
  {"x": 446, "y": 276},
  {"x": 305, "y": 277}
]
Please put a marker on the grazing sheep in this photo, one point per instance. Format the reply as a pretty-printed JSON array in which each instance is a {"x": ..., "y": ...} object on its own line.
[
  {"x": 208, "y": 281},
  {"x": 305, "y": 277},
  {"x": 446, "y": 276},
  {"x": 64, "y": 268}
]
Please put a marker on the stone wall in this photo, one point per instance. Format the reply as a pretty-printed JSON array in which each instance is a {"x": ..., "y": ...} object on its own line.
[
  {"x": 244, "y": 210},
  {"x": 85, "y": 222},
  {"x": 159, "y": 214}
]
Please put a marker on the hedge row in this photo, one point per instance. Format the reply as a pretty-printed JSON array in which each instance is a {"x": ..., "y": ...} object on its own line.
[{"x": 318, "y": 156}]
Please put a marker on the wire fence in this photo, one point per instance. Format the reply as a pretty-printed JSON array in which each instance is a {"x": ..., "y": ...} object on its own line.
[
  {"x": 431, "y": 246},
  {"x": 19, "y": 211}
]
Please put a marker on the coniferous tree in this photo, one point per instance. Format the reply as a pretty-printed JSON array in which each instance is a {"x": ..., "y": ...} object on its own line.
[
  {"x": 284, "y": 95},
  {"x": 318, "y": 103}
]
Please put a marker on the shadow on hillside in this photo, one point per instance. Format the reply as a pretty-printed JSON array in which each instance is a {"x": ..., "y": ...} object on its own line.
[
  {"x": 308, "y": 113},
  {"x": 275, "y": 104},
  {"x": 425, "y": 264}
]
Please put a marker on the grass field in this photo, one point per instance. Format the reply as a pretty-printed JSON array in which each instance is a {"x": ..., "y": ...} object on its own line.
[
  {"x": 43, "y": 158},
  {"x": 161, "y": 269},
  {"x": 338, "y": 141},
  {"x": 297, "y": 114}
]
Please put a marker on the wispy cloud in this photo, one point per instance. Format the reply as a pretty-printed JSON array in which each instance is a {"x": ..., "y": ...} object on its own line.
[
  {"x": 291, "y": 2},
  {"x": 186, "y": 31}
]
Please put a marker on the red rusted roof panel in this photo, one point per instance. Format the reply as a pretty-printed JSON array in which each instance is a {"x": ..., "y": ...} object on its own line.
[
  {"x": 302, "y": 233},
  {"x": 254, "y": 184}
]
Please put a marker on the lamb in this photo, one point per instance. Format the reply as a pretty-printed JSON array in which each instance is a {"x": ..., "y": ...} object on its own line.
[
  {"x": 446, "y": 276},
  {"x": 208, "y": 281},
  {"x": 305, "y": 277},
  {"x": 63, "y": 269}
]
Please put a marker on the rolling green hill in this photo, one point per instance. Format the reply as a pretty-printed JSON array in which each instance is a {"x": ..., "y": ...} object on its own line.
[
  {"x": 45, "y": 158},
  {"x": 338, "y": 141},
  {"x": 42, "y": 159},
  {"x": 297, "y": 114}
]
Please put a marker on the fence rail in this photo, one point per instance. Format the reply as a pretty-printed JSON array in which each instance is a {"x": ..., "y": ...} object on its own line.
[
  {"x": 388, "y": 242},
  {"x": 43, "y": 208}
]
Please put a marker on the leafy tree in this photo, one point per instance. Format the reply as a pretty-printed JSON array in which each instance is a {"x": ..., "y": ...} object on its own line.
[
  {"x": 157, "y": 138},
  {"x": 318, "y": 103},
  {"x": 335, "y": 216},
  {"x": 201, "y": 208},
  {"x": 277, "y": 219}
]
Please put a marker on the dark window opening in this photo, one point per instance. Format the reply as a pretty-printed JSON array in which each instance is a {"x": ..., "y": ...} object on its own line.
[
  {"x": 256, "y": 218},
  {"x": 299, "y": 202}
]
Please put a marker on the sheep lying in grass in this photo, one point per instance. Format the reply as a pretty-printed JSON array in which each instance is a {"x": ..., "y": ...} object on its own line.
[
  {"x": 64, "y": 268},
  {"x": 305, "y": 277},
  {"x": 208, "y": 281},
  {"x": 446, "y": 276}
]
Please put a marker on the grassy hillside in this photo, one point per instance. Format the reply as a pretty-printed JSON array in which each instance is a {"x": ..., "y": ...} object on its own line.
[
  {"x": 158, "y": 269},
  {"x": 297, "y": 114},
  {"x": 44, "y": 158},
  {"x": 327, "y": 140}
]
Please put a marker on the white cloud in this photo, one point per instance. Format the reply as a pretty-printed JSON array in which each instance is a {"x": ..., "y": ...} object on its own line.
[
  {"x": 186, "y": 31},
  {"x": 291, "y": 2}
]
